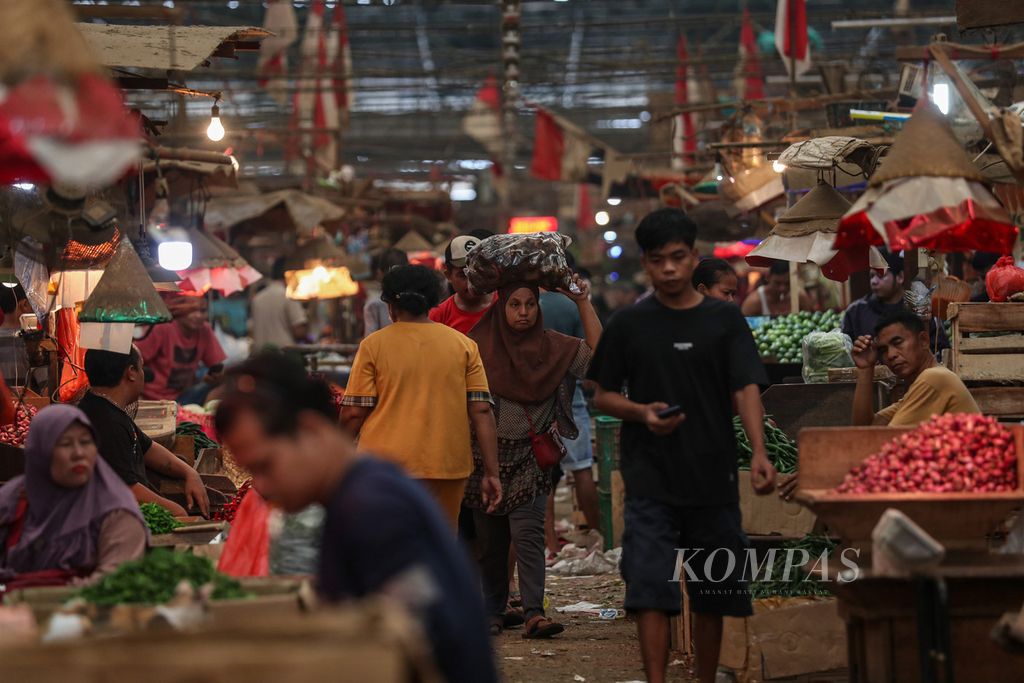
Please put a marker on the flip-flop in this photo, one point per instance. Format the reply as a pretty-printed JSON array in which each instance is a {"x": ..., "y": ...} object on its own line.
[{"x": 542, "y": 627}]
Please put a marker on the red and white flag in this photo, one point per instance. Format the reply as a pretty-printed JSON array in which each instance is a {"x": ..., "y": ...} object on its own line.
[
  {"x": 341, "y": 62},
  {"x": 791, "y": 35},
  {"x": 684, "y": 137},
  {"x": 749, "y": 77},
  {"x": 316, "y": 106},
  {"x": 483, "y": 121},
  {"x": 560, "y": 149},
  {"x": 273, "y": 62}
]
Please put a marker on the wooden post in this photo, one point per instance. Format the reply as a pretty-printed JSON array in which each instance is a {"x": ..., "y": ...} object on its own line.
[{"x": 794, "y": 287}]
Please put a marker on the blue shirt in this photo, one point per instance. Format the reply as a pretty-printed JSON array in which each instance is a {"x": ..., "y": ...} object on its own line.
[
  {"x": 383, "y": 533},
  {"x": 561, "y": 314}
]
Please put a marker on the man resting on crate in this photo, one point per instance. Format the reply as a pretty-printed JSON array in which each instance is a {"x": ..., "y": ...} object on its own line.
[{"x": 901, "y": 343}]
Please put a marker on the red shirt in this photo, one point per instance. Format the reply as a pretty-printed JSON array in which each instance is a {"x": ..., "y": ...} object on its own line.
[
  {"x": 175, "y": 357},
  {"x": 454, "y": 317}
]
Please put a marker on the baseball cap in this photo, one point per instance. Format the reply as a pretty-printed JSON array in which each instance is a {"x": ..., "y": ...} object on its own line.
[{"x": 458, "y": 249}]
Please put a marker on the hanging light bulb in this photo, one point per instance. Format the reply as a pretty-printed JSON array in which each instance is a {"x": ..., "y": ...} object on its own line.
[
  {"x": 778, "y": 166},
  {"x": 174, "y": 255},
  {"x": 215, "y": 131}
]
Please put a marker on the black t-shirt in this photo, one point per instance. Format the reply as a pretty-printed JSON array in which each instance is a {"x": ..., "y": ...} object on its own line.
[
  {"x": 694, "y": 358},
  {"x": 121, "y": 443},
  {"x": 384, "y": 534}
]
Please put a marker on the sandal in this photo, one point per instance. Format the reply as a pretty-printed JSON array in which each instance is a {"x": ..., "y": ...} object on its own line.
[
  {"x": 513, "y": 618},
  {"x": 542, "y": 627}
]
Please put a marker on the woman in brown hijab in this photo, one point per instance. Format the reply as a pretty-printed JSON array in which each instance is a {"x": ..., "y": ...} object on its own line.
[{"x": 532, "y": 373}]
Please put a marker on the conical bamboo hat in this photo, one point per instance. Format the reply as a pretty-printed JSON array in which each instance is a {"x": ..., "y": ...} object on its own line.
[
  {"x": 926, "y": 147},
  {"x": 125, "y": 293},
  {"x": 817, "y": 211}
]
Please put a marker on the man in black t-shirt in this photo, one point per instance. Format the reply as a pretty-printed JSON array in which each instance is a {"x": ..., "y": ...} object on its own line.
[
  {"x": 679, "y": 348},
  {"x": 116, "y": 381}
]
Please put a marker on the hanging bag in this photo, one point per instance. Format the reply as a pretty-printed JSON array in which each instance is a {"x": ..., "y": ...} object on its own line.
[{"x": 548, "y": 448}]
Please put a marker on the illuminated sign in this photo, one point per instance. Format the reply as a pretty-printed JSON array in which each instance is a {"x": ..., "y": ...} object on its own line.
[{"x": 525, "y": 224}]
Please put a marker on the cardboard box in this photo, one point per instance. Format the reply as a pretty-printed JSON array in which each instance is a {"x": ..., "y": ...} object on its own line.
[
  {"x": 786, "y": 638},
  {"x": 767, "y": 515}
]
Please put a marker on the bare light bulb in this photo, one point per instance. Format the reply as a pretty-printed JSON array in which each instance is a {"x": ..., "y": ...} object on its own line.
[
  {"x": 602, "y": 218},
  {"x": 176, "y": 256},
  {"x": 215, "y": 131},
  {"x": 778, "y": 166}
]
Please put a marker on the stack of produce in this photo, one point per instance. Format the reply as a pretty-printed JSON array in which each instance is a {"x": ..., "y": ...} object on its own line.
[
  {"x": 16, "y": 433},
  {"x": 227, "y": 513},
  {"x": 800, "y": 583},
  {"x": 153, "y": 579},
  {"x": 781, "y": 449},
  {"x": 779, "y": 339},
  {"x": 947, "y": 454},
  {"x": 535, "y": 258},
  {"x": 158, "y": 519}
]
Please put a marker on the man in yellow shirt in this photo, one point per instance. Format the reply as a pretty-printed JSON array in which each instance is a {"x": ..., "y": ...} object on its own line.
[{"x": 901, "y": 343}]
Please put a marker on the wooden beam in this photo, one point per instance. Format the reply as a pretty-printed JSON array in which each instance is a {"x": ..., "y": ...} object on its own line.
[
  {"x": 142, "y": 83},
  {"x": 957, "y": 51}
]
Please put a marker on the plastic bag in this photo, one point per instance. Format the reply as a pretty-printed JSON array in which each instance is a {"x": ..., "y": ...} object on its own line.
[
  {"x": 247, "y": 552},
  {"x": 295, "y": 548},
  {"x": 823, "y": 351},
  {"x": 1004, "y": 280},
  {"x": 537, "y": 258}
]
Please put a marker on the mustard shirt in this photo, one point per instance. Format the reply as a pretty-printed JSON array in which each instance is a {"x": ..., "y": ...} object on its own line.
[
  {"x": 418, "y": 377},
  {"x": 936, "y": 391}
]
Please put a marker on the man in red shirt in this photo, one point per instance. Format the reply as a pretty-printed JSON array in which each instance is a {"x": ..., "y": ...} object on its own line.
[
  {"x": 462, "y": 310},
  {"x": 174, "y": 350}
]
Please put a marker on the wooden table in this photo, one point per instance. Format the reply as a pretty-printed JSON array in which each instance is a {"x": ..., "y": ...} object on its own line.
[{"x": 881, "y": 621}]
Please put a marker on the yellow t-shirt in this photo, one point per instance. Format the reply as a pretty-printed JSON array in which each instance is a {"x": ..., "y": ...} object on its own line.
[
  {"x": 935, "y": 391},
  {"x": 418, "y": 377}
]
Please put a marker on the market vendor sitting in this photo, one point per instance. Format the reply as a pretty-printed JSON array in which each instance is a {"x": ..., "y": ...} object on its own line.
[
  {"x": 68, "y": 516},
  {"x": 901, "y": 342},
  {"x": 174, "y": 351},
  {"x": 116, "y": 381}
]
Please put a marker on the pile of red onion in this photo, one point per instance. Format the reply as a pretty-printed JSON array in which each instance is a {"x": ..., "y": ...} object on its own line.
[
  {"x": 15, "y": 434},
  {"x": 947, "y": 454}
]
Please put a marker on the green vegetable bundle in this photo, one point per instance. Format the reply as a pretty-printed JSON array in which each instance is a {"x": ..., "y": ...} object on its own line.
[
  {"x": 158, "y": 519},
  {"x": 780, "y": 338},
  {"x": 152, "y": 580},
  {"x": 196, "y": 432},
  {"x": 824, "y": 351},
  {"x": 800, "y": 584},
  {"x": 781, "y": 449}
]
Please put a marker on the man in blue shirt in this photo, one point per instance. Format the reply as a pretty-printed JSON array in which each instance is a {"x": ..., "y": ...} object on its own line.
[{"x": 382, "y": 532}]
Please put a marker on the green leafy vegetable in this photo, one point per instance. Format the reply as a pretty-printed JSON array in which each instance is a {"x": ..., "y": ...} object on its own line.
[
  {"x": 196, "y": 432},
  {"x": 152, "y": 580},
  {"x": 158, "y": 519},
  {"x": 825, "y": 350}
]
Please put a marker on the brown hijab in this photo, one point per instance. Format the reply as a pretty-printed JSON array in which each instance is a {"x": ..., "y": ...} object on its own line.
[{"x": 526, "y": 366}]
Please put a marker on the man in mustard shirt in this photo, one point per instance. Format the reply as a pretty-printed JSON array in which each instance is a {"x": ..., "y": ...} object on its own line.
[{"x": 901, "y": 343}]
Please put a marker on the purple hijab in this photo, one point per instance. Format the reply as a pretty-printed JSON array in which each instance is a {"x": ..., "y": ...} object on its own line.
[{"x": 61, "y": 526}]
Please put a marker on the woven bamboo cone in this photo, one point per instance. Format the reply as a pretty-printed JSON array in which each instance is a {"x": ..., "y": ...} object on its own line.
[{"x": 40, "y": 37}]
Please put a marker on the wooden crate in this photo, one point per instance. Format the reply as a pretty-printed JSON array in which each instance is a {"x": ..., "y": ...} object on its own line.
[
  {"x": 955, "y": 519},
  {"x": 991, "y": 358}
]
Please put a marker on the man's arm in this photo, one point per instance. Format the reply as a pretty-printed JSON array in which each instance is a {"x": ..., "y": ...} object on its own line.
[
  {"x": 482, "y": 418},
  {"x": 163, "y": 461},
  {"x": 751, "y": 412},
  {"x": 864, "y": 357},
  {"x": 353, "y": 418},
  {"x": 751, "y": 305},
  {"x": 615, "y": 404},
  {"x": 144, "y": 494}
]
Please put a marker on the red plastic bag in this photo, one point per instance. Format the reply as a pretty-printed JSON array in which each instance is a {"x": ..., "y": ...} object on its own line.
[
  {"x": 247, "y": 552},
  {"x": 1004, "y": 280}
]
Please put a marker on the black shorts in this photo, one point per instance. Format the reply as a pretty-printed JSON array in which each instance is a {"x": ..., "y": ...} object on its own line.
[{"x": 651, "y": 566}]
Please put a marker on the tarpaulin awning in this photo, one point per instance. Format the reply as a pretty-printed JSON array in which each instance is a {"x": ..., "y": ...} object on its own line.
[
  {"x": 306, "y": 211},
  {"x": 150, "y": 47}
]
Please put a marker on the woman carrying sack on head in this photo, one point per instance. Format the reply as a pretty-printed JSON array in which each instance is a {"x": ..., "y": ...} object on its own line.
[
  {"x": 532, "y": 374},
  {"x": 69, "y": 516}
]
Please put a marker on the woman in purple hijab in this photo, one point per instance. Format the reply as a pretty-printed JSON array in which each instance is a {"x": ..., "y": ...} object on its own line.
[{"x": 69, "y": 516}]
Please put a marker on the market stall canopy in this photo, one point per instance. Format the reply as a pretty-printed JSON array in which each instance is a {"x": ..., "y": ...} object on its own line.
[
  {"x": 216, "y": 265},
  {"x": 829, "y": 152},
  {"x": 306, "y": 211},
  {"x": 927, "y": 194},
  {"x": 177, "y": 48},
  {"x": 805, "y": 233}
]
